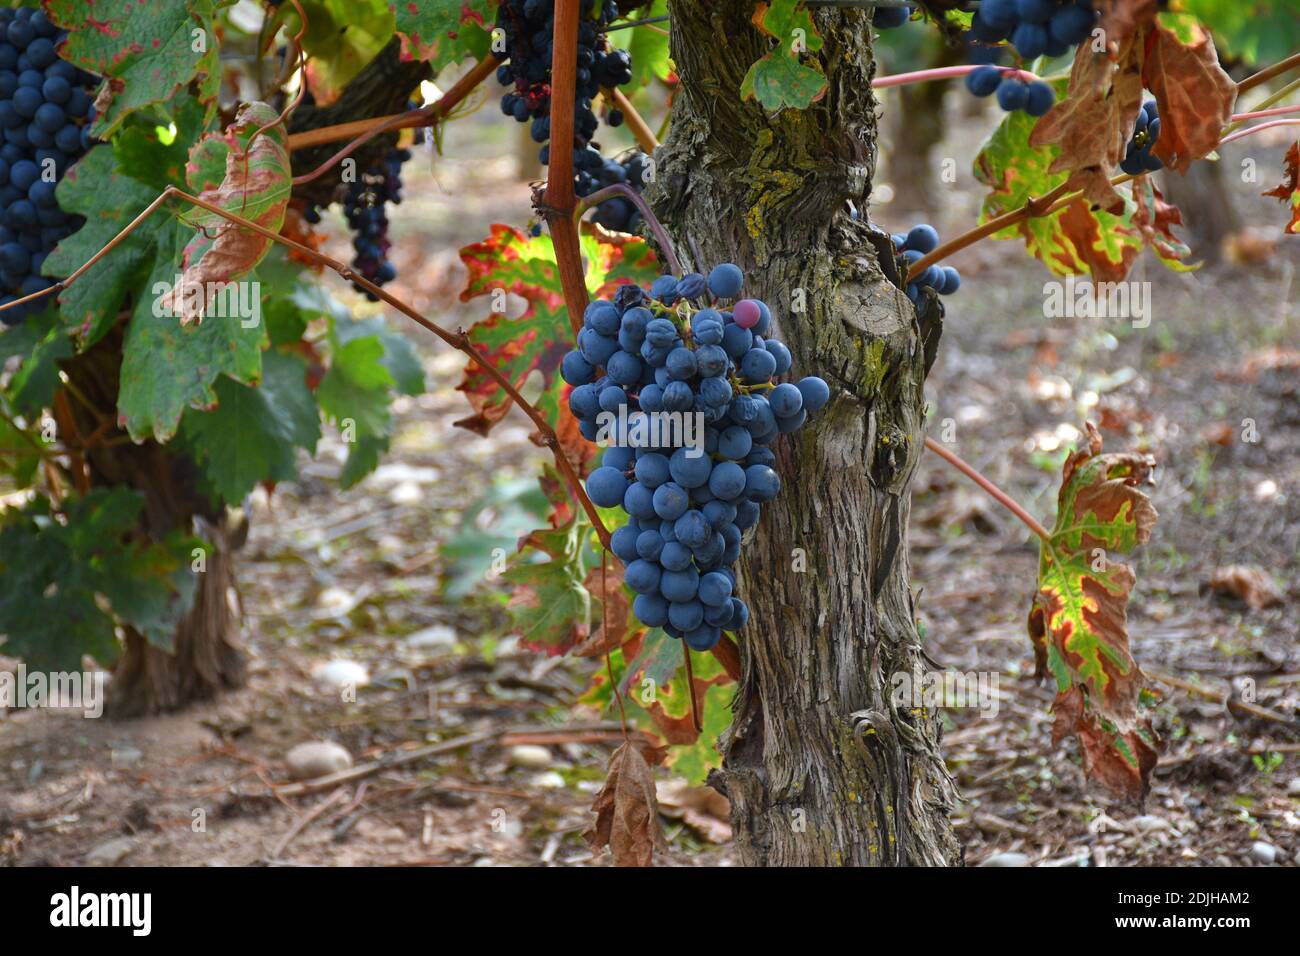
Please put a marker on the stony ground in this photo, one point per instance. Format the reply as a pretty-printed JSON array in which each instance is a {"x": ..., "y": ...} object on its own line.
[{"x": 345, "y": 587}]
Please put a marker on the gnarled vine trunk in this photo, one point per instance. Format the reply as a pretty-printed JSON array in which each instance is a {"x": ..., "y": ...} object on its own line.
[
  {"x": 206, "y": 657},
  {"x": 821, "y": 766}
]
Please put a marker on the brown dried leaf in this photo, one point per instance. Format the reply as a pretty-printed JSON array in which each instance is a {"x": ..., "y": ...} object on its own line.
[
  {"x": 1092, "y": 124},
  {"x": 1194, "y": 93},
  {"x": 1121, "y": 19},
  {"x": 627, "y": 812},
  {"x": 1251, "y": 585}
]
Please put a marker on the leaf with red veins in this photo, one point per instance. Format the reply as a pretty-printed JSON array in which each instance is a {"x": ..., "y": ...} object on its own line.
[
  {"x": 1079, "y": 619},
  {"x": 255, "y": 186}
]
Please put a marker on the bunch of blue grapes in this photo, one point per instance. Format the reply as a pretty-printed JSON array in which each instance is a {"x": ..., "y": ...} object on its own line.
[
  {"x": 529, "y": 28},
  {"x": 617, "y": 214},
  {"x": 366, "y": 209},
  {"x": 46, "y": 109},
  {"x": 1138, "y": 158},
  {"x": 889, "y": 18},
  {"x": 920, "y": 241},
  {"x": 1035, "y": 27},
  {"x": 1014, "y": 93},
  {"x": 689, "y": 346}
]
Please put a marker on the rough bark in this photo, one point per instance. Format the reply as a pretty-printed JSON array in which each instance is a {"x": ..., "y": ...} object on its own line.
[
  {"x": 821, "y": 766},
  {"x": 206, "y": 657}
]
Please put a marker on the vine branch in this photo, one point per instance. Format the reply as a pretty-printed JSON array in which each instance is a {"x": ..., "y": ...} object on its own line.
[
  {"x": 458, "y": 339},
  {"x": 993, "y": 490}
]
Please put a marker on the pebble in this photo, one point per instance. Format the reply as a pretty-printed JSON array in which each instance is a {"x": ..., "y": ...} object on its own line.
[
  {"x": 126, "y": 756},
  {"x": 316, "y": 759},
  {"x": 110, "y": 852},
  {"x": 1007, "y": 859},
  {"x": 1149, "y": 823},
  {"x": 340, "y": 673},
  {"x": 1293, "y": 788},
  {"x": 550, "y": 780},
  {"x": 530, "y": 757},
  {"x": 1263, "y": 852},
  {"x": 437, "y": 636}
]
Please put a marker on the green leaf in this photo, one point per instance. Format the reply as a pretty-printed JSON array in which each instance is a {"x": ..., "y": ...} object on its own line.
[
  {"x": 550, "y": 608},
  {"x": 779, "y": 80},
  {"x": 355, "y": 389},
  {"x": 1258, "y": 31},
  {"x": 251, "y": 435},
  {"x": 342, "y": 37},
  {"x": 363, "y": 458},
  {"x": 1079, "y": 618},
  {"x": 42, "y": 344},
  {"x": 648, "y": 46},
  {"x": 97, "y": 189},
  {"x": 444, "y": 31},
  {"x": 66, "y": 582},
  {"x": 494, "y": 523},
  {"x": 146, "y": 52}
]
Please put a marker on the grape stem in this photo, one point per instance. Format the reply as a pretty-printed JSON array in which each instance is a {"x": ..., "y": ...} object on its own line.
[
  {"x": 560, "y": 199},
  {"x": 998, "y": 495},
  {"x": 690, "y": 687},
  {"x": 367, "y": 129},
  {"x": 458, "y": 339},
  {"x": 1263, "y": 76},
  {"x": 1249, "y": 131},
  {"x": 1260, "y": 114},
  {"x": 634, "y": 197},
  {"x": 944, "y": 73}
]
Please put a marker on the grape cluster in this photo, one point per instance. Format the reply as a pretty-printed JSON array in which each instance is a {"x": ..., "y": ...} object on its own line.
[
  {"x": 1138, "y": 158},
  {"x": 365, "y": 207},
  {"x": 529, "y": 28},
  {"x": 1034, "y": 27},
  {"x": 617, "y": 214},
  {"x": 46, "y": 109},
  {"x": 679, "y": 349},
  {"x": 919, "y": 241},
  {"x": 889, "y": 18},
  {"x": 1034, "y": 97}
]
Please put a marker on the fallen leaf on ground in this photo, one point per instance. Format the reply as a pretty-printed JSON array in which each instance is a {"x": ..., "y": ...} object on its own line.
[{"x": 1252, "y": 585}]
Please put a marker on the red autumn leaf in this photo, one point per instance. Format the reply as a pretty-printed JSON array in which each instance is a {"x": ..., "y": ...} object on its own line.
[{"x": 1289, "y": 189}]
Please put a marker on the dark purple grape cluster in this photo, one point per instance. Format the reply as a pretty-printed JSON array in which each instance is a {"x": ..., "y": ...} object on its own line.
[
  {"x": 1033, "y": 97},
  {"x": 529, "y": 28},
  {"x": 682, "y": 384},
  {"x": 46, "y": 109},
  {"x": 366, "y": 209},
  {"x": 1034, "y": 27},
  {"x": 1138, "y": 158},
  {"x": 890, "y": 18},
  {"x": 920, "y": 241},
  {"x": 617, "y": 214}
]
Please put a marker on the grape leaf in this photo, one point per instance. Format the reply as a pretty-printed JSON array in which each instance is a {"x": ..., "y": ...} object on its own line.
[
  {"x": 653, "y": 689},
  {"x": 443, "y": 31},
  {"x": 510, "y": 262},
  {"x": 1078, "y": 622},
  {"x": 1195, "y": 95},
  {"x": 1156, "y": 219},
  {"x": 97, "y": 189},
  {"x": 66, "y": 582},
  {"x": 1120, "y": 20},
  {"x": 251, "y": 435},
  {"x": 627, "y": 811},
  {"x": 1257, "y": 31},
  {"x": 1077, "y": 239},
  {"x": 648, "y": 46},
  {"x": 255, "y": 185},
  {"x": 342, "y": 37},
  {"x": 1289, "y": 189},
  {"x": 550, "y": 608},
  {"x": 41, "y": 344},
  {"x": 1091, "y": 125},
  {"x": 779, "y": 80},
  {"x": 144, "y": 51}
]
